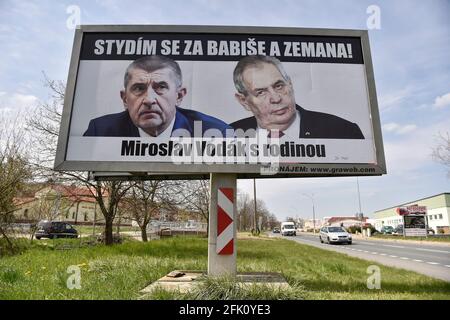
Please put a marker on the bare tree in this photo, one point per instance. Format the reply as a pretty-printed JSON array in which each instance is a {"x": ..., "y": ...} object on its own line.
[
  {"x": 246, "y": 213},
  {"x": 262, "y": 213},
  {"x": 144, "y": 200},
  {"x": 43, "y": 126},
  {"x": 195, "y": 196},
  {"x": 272, "y": 221},
  {"x": 14, "y": 172},
  {"x": 441, "y": 153}
]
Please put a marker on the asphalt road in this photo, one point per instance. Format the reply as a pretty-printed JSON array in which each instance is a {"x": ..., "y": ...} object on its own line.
[{"x": 431, "y": 260}]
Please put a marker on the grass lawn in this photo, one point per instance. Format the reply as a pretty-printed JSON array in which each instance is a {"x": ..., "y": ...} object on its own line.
[
  {"x": 82, "y": 229},
  {"x": 120, "y": 271}
]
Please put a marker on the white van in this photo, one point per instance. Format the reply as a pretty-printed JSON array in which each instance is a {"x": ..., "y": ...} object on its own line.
[{"x": 288, "y": 229}]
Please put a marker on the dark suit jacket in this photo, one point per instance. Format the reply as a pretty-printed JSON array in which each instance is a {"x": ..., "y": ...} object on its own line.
[
  {"x": 120, "y": 124},
  {"x": 314, "y": 125}
]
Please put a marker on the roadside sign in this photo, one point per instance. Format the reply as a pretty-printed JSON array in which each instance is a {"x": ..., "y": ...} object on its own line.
[{"x": 191, "y": 100}]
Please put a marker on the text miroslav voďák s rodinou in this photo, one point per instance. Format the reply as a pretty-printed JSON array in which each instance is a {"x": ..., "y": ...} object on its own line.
[{"x": 221, "y": 149}]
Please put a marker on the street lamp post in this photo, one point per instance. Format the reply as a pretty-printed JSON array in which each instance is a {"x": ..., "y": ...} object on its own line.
[
  {"x": 314, "y": 213},
  {"x": 361, "y": 215}
]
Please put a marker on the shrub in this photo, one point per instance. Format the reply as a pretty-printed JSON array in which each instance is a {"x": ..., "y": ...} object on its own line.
[
  {"x": 371, "y": 227},
  {"x": 353, "y": 229}
]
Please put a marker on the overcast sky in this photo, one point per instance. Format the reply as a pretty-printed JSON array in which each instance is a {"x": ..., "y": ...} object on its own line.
[{"x": 410, "y": 52}]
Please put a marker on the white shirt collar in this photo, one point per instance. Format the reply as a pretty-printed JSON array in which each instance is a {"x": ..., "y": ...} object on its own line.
[
  {"x": 165, "y": 134},
  {"x": 292, "y": 132}
]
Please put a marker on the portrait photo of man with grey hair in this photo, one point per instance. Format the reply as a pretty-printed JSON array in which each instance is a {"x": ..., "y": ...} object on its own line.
[{"x": 265, "y": 89}]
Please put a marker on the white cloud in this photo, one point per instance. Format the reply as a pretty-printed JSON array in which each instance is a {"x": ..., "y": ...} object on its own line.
[
  {"x": 17, "y": 100},
  {"x": 413, "y": 151},
  {"x": 399, "y": 129},
  {"x": 442, "y": 101},
  {"x": 391, "y": 126},
  {"x": 407, "y": 129},
  {"x": 15, "y": 109},
  {"x": 391, "y": 100}
]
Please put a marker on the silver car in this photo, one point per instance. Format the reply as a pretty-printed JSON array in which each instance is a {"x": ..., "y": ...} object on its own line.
[{"x": 335, "y": 235}]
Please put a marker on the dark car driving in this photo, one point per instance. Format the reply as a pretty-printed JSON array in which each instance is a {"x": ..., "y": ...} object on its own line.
[{"x": 55, "y": 229}]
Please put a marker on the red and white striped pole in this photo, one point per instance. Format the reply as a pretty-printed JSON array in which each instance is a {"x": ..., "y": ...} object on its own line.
[
  {"x": 225, "y": 221},
  {"x": 222, "y": 229}
]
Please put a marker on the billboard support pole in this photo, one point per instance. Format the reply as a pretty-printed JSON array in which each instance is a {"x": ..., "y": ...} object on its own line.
[
  {"x": 255, "y": 226},
  {"x": 222, "y": 226}
]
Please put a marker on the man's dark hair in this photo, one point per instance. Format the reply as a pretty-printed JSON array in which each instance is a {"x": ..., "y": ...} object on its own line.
[
  {"x": 254, "y": 61},
  {"x": 153, "y": 63}
]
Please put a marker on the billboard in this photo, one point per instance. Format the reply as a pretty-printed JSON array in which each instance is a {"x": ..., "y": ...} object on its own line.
[
  {"x": 182, "y": 100},
  {"x": 415, "y": 225}
]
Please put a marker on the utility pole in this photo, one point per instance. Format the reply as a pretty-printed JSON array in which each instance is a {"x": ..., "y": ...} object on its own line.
[
  {"x": 314, "y": 213},
  {"x": 360, "y": 211},
  {"x": 359, "y": 196}
]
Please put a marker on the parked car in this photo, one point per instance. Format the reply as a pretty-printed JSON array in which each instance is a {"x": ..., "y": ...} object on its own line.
[
  {"x": 55, "y": 229},
  {"x": 398, "y": 230},
  {"x": 276, "y": 230},
  {"x": 288, "y": 229},
  {"x": 387, "y": 230},
  {"x": 334, "y": 235}
]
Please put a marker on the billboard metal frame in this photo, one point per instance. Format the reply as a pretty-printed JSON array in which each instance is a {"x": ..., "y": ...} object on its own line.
[{"x": 125, "y": 170}]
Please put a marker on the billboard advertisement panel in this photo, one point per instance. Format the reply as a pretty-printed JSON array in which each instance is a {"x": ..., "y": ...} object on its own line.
[
  {"x": 415, "y": 225},
  {"x": 192, "y": 100}
]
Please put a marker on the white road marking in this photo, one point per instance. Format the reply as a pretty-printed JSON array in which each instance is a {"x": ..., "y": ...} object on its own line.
[
  {"x": 384, "y": 254},
  {"x": 432, "y": 250},
  {"x": 402, "y": 247},
  {"x": 369, "y": 244},
  {"x": 388, "y": 245}
]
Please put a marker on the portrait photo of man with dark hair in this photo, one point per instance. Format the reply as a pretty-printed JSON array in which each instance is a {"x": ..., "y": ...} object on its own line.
[{"x": 152, "y": 93}]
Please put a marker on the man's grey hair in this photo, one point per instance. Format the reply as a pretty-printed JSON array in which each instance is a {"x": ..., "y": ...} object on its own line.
[
  {"x": 252, "y": 62},
  {"x": 153, "y": 63}
]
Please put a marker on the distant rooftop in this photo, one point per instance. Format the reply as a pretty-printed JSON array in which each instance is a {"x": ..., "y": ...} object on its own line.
[{"x": 417, "y": 200}]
